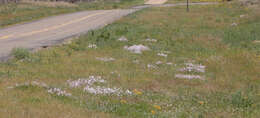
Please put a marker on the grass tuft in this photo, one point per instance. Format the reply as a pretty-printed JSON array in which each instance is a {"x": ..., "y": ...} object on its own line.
[{"x": 20, "y": 53}]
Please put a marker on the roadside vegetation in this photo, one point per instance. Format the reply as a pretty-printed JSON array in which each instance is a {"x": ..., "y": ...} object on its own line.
[
  {"x": 27, "y": 11},
  {"x": 158, "y": 62}
]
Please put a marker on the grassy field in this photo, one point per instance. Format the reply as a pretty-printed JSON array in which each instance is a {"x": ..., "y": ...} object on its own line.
[
  {"x": 95, "y": 76},
  {"x": 16, "y": 13}
]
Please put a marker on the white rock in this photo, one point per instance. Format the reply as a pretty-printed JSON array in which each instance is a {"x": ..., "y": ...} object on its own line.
[
  {"x": 183, "y": 76},
  {"x": 138, "y": 49},
  {"x": 122, "y": 39},
  {"x": 151, "y": 66},
  {"x": 105, "y": 59},
  {"x": 242, "y": 16},
  {"x": 162, "y": 54},
  {"x": 169, "y": 63},
  {"x": 159, "y": 62},
  {"x": 234, "y": 24},
  {"x": 151, "y": 40}
]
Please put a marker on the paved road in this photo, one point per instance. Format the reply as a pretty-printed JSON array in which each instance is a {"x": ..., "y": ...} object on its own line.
[{"x": 54, "y": 30}]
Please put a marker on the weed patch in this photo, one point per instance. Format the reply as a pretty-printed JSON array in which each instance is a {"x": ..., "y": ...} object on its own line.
[{"x": 20, "y": 53}]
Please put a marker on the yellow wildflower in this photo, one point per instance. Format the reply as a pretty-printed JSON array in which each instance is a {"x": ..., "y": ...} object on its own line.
[
  {"x": 137, "y": 92},
  {"x": 153, "y": 112},
  {"x": 157, "y": 107},
  {"x": 123, "y": 101}
]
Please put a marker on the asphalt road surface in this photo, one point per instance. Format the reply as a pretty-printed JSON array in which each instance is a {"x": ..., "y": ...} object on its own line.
[{"x": 54, "y": 30}]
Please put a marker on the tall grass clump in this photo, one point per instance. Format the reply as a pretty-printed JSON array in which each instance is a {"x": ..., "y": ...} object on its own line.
[{"x": 20, "y": 53}]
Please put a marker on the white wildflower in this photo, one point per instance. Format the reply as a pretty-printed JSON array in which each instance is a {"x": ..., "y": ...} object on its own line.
[
  {"x": 90, "y": 87},
  {"x": 89, "y": 81},
  {"x": 193, "y": 67},
  {"x": 59, "y": 92},
  {"x": 105, "y": 90},
  {"x": 92, "y": 46}
]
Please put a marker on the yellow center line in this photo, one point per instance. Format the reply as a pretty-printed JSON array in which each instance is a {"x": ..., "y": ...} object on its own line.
[
  {"x": 6, "y": 37},
  {"x": 53, "y": 27}
]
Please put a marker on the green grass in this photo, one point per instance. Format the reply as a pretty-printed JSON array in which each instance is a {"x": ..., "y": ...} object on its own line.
[
  {"x": 20, "y": 53},
  {"x": 204, "y": 36},
  {"x": 23, "y": 12}
]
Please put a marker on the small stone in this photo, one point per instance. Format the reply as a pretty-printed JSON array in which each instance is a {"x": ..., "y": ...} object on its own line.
[
  {"x": 138, "y": 49},
  {"x": 105, "y": 59},
  {"x": 234, "y": 24},
  {"x": 169, "y": 63},
  {"x": 151, "y": 66},
  {"x": 122, "y": 39},
  {"x": 182, "y": 76},
  {"x": 162, "y": 54},
  {"x": 242, "y": 16},
  {"x": 159, "y": 62},
  {"x": 151, "y": 40}
]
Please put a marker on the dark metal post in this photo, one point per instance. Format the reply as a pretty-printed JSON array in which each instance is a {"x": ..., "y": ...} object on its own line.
[{"x": 188, "y": 6}]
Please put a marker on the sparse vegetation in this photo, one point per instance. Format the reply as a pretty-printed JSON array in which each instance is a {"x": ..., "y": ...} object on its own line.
[{"x": 202, "y": 42}]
